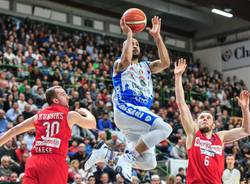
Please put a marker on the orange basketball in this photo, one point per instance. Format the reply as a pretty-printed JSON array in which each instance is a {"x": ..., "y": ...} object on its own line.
[{"x": 135, "y": 19}]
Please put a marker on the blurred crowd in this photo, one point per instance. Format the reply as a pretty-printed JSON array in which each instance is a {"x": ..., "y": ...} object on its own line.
[{"x": 35, "y": 56}]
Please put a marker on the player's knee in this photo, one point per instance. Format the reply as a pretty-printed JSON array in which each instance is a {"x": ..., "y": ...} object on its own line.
[{"x": 165, "y": 127}]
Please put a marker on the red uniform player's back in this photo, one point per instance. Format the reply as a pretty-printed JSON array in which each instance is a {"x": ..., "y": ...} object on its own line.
[
  {"x": 48, "y": 162},
  {"x": 206, "y": 160},
  {"x": 52, "y": 131}
]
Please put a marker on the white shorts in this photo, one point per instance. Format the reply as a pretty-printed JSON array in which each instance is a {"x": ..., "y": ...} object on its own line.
[{"x": 135, "y": 121}]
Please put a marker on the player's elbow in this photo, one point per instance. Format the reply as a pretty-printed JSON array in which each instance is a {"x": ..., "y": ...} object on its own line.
[
  {"x": 166, "y": 64},
  {"x": 246, "y": 130}
]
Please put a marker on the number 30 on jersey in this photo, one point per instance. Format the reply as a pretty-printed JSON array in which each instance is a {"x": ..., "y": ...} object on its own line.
[{"x": 51, "y": 128}]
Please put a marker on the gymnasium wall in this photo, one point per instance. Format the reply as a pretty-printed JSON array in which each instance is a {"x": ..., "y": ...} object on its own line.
[{"x": 231, "y": 59}]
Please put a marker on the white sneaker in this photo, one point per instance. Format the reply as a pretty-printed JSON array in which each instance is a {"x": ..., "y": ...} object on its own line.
[
  {"x": 124, "y": 166},
  {"x": 100, "y": 152}
]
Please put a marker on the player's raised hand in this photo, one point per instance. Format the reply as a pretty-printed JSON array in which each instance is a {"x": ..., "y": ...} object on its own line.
[
  {"x": 180, "y": 66},
  {"x": 243, "y": 99},
  {"x": 82, "y": 111},
  {"x": 125, "y": 28},
  {"x": 156, "y": 27}
]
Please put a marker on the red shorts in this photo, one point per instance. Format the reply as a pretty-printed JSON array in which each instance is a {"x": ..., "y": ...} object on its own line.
[{"x": 45, "y": 169}]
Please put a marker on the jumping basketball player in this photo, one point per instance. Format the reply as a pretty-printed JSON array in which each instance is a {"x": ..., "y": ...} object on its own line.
[
  {"x": 205, "y": 148},
  {"x": 53, "y": 130},
  {"x": 132, "y": 99}
]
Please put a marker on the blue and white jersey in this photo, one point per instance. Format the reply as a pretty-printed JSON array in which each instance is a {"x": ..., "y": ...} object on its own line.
[{"x": 134, "y": 85}]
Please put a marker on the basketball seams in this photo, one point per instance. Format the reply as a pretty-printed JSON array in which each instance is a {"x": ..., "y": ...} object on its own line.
[
  {"x": 135, "y": 19},
  {"x": 136, "y": 22}
]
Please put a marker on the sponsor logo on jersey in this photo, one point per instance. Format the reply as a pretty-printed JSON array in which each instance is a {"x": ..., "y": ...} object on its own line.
[
  {"x": 207, "y": 148},
  {"x": 130, "y": 110},
  {"x": 48, "y": 141}
]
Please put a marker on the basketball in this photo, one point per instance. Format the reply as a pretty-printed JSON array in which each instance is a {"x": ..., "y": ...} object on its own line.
[{"x": 135, "y": 19}]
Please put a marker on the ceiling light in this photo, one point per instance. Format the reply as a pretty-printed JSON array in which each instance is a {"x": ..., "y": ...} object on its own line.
[
  {"x": 220, "y": 12},
  {"x": 228, "y": 10}
]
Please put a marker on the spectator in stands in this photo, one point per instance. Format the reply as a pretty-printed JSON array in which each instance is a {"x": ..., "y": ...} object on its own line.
[
  {"x": 14, "y": 91},
  {"x": 34, "y": 89},
  {"x": 91, "y": 180},
  {"x": 114, "y": 142},
  {"x": 119, "y": 179},
  {"x": 3, "y": 122},
  {"x": 39, "y": 97},
  {"x": 23, "y": 162},
  {"x": 19, "y": 119},
  {"x": 135, "y": 180},
  {"x": 8, "y": 103},
  {"x": 29, "y": 138},
  {"x": 80, "y": 155},
  {"x": 88, "y": 146},
  {"x": 33, "y": 107},
  {"x": 78, "y": 179},
  {"x": 20, "y": 151},
  {"x": 21, "y": 102},
  {"x": 12, "y": 113},
  {"x": 104, "y": 178},
  {"x": 178, "y": 179},
  {"x": 179, "y": 151},
  {"x": 73, "y": 170},
  {"x": 73, "y": 148},
  {"x": 170, "y": 179},
  {"x": 181, "y": 173},
  {"x": 27, "y": 92},
  {"x": 231, "y": 175},
  {"x": 102, "y": 136},
  {"x": 13, "y": 177},
  {"x": 165, "y": 149},
  {"x": 27, "y": 111},
  {"x": 8, "y": 149},
  {"x": 100, "y": 169},
  {"x": 5, "y": 169},
  {"x": 105, "y": 122},
  {"x": 155, "y": 179},
  {"x": 8, "y": 56}
]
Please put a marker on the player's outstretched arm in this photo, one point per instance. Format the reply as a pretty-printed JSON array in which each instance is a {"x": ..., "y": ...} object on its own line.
[
  {"x": 25, "y": 126},
  {"x": 244, "y": 130},
  {"x": 82, "y": 117},
  {"x": 186, "y": 118},
  {"x": 164, "y": 61},
  {"x": 127, "y": 51}
]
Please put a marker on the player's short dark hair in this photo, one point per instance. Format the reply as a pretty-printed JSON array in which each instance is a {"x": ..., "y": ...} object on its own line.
[
  {"x": 208, "y": 113},
  {"x": 51, "y": 94}
]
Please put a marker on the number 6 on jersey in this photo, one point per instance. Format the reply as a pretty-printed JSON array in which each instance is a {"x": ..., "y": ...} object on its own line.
[{"x": 206, "y": 161}]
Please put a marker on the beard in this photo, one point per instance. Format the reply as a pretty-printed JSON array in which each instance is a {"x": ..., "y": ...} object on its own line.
[
  {"x": 204, "y": 130},
  {"x": 135, "y": 56}
]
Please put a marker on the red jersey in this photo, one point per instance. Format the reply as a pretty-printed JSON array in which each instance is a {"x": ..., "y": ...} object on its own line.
[
  {"x": 52, "y": 131},
  {"x": 205, "y": 160}
]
